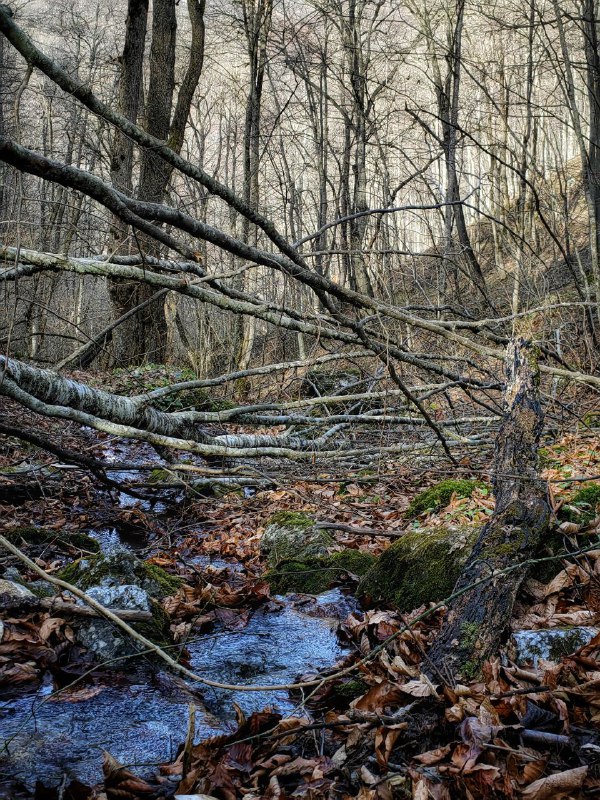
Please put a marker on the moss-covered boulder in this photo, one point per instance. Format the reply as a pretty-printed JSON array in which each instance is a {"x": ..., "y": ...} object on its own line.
[
  {"x": 293, "y": 535},
  {"x": 120, "y": 580},
  {"x": 583, "y": 506},
  {"x": 118, "y": 569},
  {"x": 316, "y": 574},
  {"x": 439, "y": 496},
  {"x": 421, "y": 567}
]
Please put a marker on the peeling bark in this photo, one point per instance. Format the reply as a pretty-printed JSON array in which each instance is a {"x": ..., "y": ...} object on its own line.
[{"x": 477, "y": 619}]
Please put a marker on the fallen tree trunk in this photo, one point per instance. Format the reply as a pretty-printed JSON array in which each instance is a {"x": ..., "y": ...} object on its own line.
[{"x": 477, "y": 618}]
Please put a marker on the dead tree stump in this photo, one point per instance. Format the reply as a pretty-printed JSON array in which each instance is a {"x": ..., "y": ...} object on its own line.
[{"x": 477, "y": 619}]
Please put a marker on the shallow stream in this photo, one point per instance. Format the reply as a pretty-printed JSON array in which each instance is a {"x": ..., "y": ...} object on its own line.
[{"x": 142, "y": 722}]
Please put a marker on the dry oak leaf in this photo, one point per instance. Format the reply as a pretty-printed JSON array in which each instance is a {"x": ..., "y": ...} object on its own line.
[
  {"x": 385, "y": 740},
  {"x": 433, "y": 756},
  {"x": 120, "y": 783},
  {"x": 422, "y": 687},
  {"x": 556, "y": 787}
]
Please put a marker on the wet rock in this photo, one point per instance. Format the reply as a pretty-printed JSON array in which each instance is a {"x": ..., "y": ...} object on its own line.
[
  {"x": 41, "y": 588},
  {"x": 14, "y": 590},
  {"x": 421, "y": 567},
  {"x": 120, "y": 568},
  {"x": 293, "y": 535},
  {"x": 127, "y": 596},
  {"x": 103, "y": 639},
  {"x": 12, "y": 574},
  {"x": 550, "y": 644},
  {"x": 120, "y": 580}
]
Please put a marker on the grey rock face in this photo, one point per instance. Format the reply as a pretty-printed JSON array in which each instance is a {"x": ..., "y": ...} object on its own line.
[
  {"x": 13, "y": 589},
  {"x": 105, "y": 641},
  {"x": 126, "y": 596},
  {"x": 550, "y": 644}
]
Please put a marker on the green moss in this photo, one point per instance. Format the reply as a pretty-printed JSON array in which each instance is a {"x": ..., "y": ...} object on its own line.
[
  {"x": 318, "y": 573},
  {"x": 158, "y": 628},
  {"x": 583, "y": 506},
  {"x": 40, "y": 536},
  {"x": 291, "y": 519},
  {"x": 438, "y": 496},
  {"x": 351, "y": 690},
  {"x": 168, "y": 584},
  {"x": 421, "y": 567},
  {"x": 469, "y": 634},
  {"x": 592, "y": 419},
  {"x": 88, "y": 572},
  {"x": 470, "y": 670},
  {"x": 29, "y": 534}
]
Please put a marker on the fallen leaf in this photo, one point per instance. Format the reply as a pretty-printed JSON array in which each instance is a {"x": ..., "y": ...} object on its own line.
[{"x": 555, "y": 787}]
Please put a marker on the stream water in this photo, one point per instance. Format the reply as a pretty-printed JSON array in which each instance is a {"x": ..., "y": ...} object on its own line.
[
  {"x": 45, "y": 738},
  {"x": 142, "y": 722}
]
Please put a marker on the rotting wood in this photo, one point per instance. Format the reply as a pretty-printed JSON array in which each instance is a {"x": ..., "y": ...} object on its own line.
[{"x": 476, "y": 619}]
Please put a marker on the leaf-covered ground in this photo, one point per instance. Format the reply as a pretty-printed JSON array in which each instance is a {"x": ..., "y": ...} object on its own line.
[{"x": 374, "y": 727}]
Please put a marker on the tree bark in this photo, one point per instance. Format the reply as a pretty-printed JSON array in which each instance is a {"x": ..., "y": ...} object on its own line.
[
  {"x": 123, "y": 292},
  {"x": 477, "y": 618},
  {"x": 144, "y": 336}
]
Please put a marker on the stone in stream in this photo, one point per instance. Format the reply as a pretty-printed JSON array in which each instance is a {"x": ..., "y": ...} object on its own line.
[
  {"x": 298, "y": 554},
  {"x": 549, "y": 644},
  {"x": 119, "y": 580},
  {"x": 421, "y": 567},
  {"x": 14, "y": 590},
  {"x": 126, "y": 596},
  {"x": 120, "y": 568}
]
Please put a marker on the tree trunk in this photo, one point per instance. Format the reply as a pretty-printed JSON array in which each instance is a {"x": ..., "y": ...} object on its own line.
[
  {"x": 477, "y": 619},
  {"x": 144, "y": 337},
  {"x": 123, "y": 293}
]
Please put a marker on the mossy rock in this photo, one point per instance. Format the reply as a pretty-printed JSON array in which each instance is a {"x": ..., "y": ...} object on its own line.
[
  {"x": 316, "y": 574},
  {"x": 583, "y": 506},
  {"x": 438, "y": 496},
  {"x": 421, "y": 567},
  {"x": 120, "y": 568},
  {"x": 32, "y": 535},
  {"x": 293, "y": 535}
]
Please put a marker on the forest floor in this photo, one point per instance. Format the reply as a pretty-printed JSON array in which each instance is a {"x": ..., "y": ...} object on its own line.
[{"x": 528, "y": 727}]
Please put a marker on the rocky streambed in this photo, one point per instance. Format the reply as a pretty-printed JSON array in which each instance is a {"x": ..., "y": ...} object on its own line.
[
  {"x": 139, "y": 714},
  {"x": 141, "y": 720}
]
